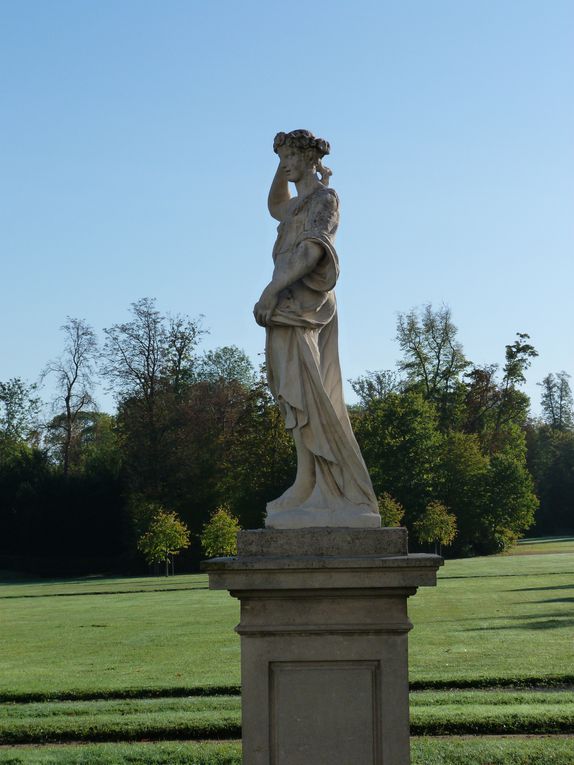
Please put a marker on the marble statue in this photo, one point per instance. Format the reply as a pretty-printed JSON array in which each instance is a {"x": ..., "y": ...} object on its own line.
[{"x": 299, "y": 312}]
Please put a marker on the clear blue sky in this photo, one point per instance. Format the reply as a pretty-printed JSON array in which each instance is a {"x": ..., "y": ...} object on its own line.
[{"x": 136, "y": 155}]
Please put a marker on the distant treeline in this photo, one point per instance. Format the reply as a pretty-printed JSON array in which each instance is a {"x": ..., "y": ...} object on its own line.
[{"x": 195, "y": 431}]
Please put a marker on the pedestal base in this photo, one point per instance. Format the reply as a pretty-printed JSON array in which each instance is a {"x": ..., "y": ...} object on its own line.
[{"x": 324, "y": 625}]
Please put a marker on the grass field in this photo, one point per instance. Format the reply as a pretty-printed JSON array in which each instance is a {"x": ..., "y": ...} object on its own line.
[
  {"x": 104, "y": 660},
  {"x": 491, "y": 751},
  {"x": 432, "y": 713}
]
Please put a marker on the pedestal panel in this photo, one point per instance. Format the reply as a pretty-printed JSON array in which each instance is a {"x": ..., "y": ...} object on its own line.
[{"x": 324, "y": 661}]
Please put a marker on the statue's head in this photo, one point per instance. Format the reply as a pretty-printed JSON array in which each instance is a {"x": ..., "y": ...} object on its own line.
[{"x": 311, "y": 149}]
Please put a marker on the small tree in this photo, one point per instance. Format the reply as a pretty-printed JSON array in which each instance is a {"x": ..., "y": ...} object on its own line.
[
  {"x": 219, "y": 535},
  {"x": 391, "y": 511},
  {"x": 436, "y": 525},
  {"x": 165, "y": 538}
]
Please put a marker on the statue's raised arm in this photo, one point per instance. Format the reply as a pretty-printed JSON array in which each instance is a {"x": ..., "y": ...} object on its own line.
[{"x": 298, "y": 308}]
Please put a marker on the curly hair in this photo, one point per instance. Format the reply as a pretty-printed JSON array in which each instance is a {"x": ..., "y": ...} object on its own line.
[{"x": 304, "y": 141}]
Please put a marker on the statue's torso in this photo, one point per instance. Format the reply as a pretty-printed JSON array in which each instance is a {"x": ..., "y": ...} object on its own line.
[{"x": 314, "y": 218}]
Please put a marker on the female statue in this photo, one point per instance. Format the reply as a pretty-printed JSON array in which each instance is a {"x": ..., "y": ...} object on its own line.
[{"x": 298, "y": 309}]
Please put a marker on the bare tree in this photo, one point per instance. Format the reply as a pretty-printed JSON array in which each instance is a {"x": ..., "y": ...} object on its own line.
[
  {"x": 148, "y": 363},
  {"x": 149, "y": 352},
  {"x": 74, "y": 371}
]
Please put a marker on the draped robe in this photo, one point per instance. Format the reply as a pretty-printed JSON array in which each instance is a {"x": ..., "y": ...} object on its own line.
[{"x": 305, "y": 376}]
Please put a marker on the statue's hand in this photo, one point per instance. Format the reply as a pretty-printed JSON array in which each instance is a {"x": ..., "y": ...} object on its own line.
[{"x": 265, "y": 306}]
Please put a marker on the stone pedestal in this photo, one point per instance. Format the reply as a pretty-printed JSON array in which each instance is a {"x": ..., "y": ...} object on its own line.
[{"x": 324, "y": 626}]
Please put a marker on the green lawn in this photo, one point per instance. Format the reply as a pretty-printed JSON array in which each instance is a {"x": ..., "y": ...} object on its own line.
[
  {"x": 152, "y": 650},
  {"x": 494, "y": 751},
  {"x": 133, "y": 634},
  {"x": 537, "y": 545},
  {"x": 501, "y": 618},
  {"x": 432, "y": 713}
]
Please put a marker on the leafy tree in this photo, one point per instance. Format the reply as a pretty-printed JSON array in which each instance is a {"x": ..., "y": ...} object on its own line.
[
  {"x": 551, "y": 462},
  {"x": 24, "y": 475},
  {"x": 400, "y": 441},
  {"x": 226, "y": 364},
  {"x": 391, "y": 511},
  {"x": 219, "y": 535},
  {"x": 258, "y": 462},
  {"x": 462, "y": 484},
  {"x": 101, "y": 447},
  {"x": 165, "y": 538},
  {"x": 74, "y": 372},
  {"x": 513, "y": 404},
  {"x": 481, "y": 399},
  {"x": 376, "y": 385},
  {"x": 436, "y": 525},
  {"x": 512, "y": 502},
  {"x": 497, "y": 410},
  {"x": 19, "y": 409},
  {"x": 433, "y": 359},
  {"x": 557, "y": 401}
]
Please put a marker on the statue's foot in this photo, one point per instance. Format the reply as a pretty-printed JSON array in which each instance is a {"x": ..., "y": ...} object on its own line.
[{"x": 294, "y": 497}]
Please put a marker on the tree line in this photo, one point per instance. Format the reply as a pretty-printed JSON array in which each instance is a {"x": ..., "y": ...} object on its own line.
[{"x": 196, "y": 431}]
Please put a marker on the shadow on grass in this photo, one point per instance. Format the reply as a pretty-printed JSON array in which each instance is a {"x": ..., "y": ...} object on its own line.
[
  {"x": 555, "y": 600},
  {"x": 445, "y": 578},
  {"x": 102, "y": 592},
  {"x": 541, "y": 589},
  {"x": 535, "y": 624}
]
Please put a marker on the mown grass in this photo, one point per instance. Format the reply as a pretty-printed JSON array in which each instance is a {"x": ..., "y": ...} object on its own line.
[
  {"x": 495, "y": 619},
  {"x": 537, "y": 545},
  {"x": 432, "y": 713},
  {"x": 497, "y": 751},
  {"x": 60, "y": 638},
  {"x": 506, "y": 620},
  {"x": 500, "y": 751},
  {"x": 153, "y": 719},
  {"x": 164, "y": 753},
  {"x": 490, "y": 620},
  {"x": 96, "y": 585}
]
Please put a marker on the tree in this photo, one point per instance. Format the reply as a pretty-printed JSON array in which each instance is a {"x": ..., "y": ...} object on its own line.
[
  {"x": 19, "y": 408},
  {"x": 557, "y": 401},
  {"x": 148, "y": 361},
  {"x": 258, "y": 460},
  {"x": 433, "y": 358},
  {"x": 165, "y": 538},
  {"x": 513, "y": 404},
  {"x": 400, "y": 440},
  {"x": 512, "y": 502},
  {"x": 149, "y": 352},
  {"x": 219, "y": 535},
  {"x": 376, "y": 385},
  {"x": 481, "y": 399},
  {"x": 74, "y": 377},
  {"x": 462, "y": 484},
  {"x": 551, "y": 462},
  {"x": 391, "y": 511},
  {"x": 226, "y": 364},
  {"x": 436, "y": 525}
]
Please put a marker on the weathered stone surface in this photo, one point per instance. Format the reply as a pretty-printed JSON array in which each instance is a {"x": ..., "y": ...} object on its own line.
[
  {"x": 324, "y": 643},
  {"x": 331, "y": 542},
  {"x": 299, "y": 312}
]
